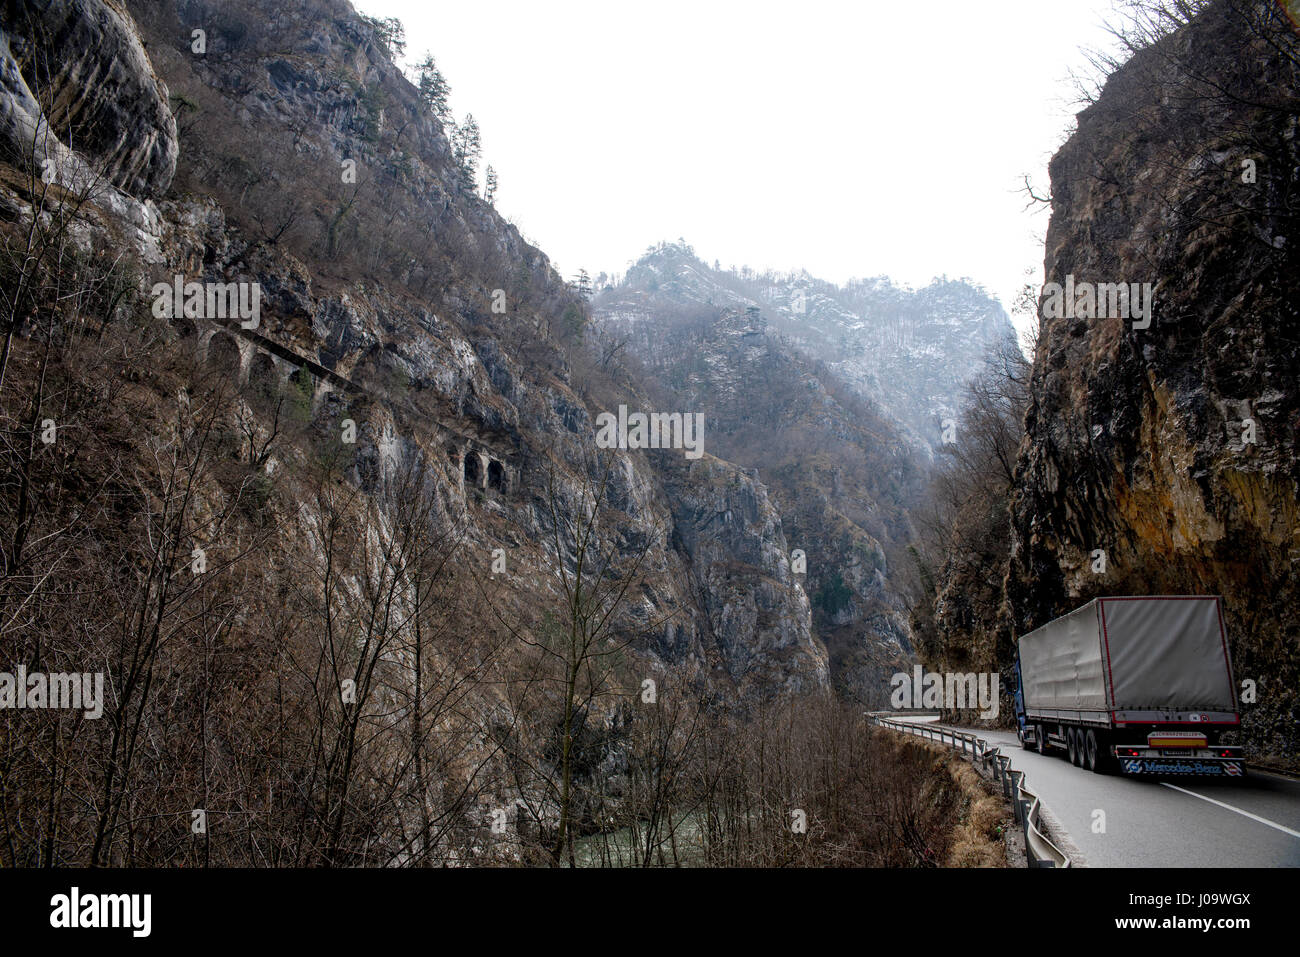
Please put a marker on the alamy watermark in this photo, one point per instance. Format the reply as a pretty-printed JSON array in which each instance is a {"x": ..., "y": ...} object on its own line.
[
  {"x": 952, "y": 690},
  {"x": 655, "y": 430},
  {"x": 208, "y": 300},
  {"x": 37, "y": 690},
  {"x": 129, "y": 911},
  {"x": 1102, "y": 300}
]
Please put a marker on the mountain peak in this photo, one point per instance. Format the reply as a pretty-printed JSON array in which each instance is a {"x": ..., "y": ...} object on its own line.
[{"x": 910, "y": 351}]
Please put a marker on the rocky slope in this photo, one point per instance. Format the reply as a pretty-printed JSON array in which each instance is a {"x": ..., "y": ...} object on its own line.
[
  {"x": 86, "y": 59},
  {"x": 837, "y": 396},
  {"x": 432, "y": 327},
  {"x": 1162, "y": 459},
  {"x": 301, "y": 160},
  {"x": 840, "y": 472}
]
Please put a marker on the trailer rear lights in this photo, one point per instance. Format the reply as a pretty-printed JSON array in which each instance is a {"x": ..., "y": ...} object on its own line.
[
  {"x": 1176, "y": 740},
  {"x": 1129, "y": 752}
]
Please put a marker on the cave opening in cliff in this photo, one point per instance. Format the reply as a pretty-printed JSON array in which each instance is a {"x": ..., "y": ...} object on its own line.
[
  {"x": 471, "y": 469},
  {"x": 496, "y": 476}
]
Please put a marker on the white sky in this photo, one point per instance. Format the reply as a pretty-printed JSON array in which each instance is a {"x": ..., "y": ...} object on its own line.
[{"x": 847, "y": 137}]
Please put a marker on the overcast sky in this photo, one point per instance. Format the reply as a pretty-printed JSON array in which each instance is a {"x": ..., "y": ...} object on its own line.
[{"x": 845, "y": 137}]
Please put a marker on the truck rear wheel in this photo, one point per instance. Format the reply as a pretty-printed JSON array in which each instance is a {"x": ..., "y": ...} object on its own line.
[
  {"x": 1105, "y": 757},
  {"x": 1090, "y": 758},
  {"x": 1072, "y": 746},
  {"x": 1024, "y": 740},
  {"x": 1040, "y": 732}
]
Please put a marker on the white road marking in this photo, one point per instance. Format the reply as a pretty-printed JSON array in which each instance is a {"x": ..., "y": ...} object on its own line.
[{"x": 1253, "y": 817}]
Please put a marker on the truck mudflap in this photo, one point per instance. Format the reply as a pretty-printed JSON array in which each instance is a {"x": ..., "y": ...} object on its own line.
[
  {"x": 1191, "y": 767},
  {"x": 1186, "y": 753}
]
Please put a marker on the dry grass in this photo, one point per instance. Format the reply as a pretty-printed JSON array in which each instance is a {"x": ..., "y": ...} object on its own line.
[{"x": 977, "y": 840}]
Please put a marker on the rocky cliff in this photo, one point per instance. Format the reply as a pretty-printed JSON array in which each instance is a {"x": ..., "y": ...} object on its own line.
[
  {"x": 841, "y": 472},
  {"x": 1159, "y": 454},
  {"x": 100, "y": 105},
  {"x": 1172, "y": 449},
  {"x": 486, "y": 383}
]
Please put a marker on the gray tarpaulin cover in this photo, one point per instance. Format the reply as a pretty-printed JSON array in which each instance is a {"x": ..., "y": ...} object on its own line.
[{"x": 1160, "y": 652}]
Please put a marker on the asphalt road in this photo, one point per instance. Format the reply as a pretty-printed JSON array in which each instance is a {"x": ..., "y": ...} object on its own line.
[{"x": 1174, "y": 822}]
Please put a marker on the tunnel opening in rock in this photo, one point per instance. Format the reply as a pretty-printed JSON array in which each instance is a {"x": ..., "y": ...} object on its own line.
[{"x": 496, "y": 476}]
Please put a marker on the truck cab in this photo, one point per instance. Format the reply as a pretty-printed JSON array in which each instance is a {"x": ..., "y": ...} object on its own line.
[{"x": 1025, "y": 730}]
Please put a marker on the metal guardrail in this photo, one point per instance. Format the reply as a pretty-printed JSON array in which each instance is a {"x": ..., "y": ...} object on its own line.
[{"x": 1039, "y": 851}]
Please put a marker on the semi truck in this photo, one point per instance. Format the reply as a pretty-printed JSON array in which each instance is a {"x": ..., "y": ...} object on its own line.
[{"x": 1137, "y": 685}]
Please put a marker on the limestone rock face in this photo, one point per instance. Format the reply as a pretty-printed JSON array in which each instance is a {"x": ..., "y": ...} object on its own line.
[
  {"x": 834, "y": 467},
  {"x": 76, "y": 71},
  {"x": 1172, "y": 449},
  {"x": 755, "y": 605}
]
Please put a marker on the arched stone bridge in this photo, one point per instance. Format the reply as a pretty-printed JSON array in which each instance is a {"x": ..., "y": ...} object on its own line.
[
  {"x": 479, "y": 465},
  {"x": 284, "y": 361}
]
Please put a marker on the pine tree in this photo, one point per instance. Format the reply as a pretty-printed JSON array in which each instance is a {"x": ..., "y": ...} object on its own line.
[
  {"x": 466, "y": 147},
  {"x": 391, "y": 35},
  {"x": 434, "y": 89}
]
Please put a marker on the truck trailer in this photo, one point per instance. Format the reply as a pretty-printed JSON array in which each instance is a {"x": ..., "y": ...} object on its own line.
[{"x": 1138, "y": 685}]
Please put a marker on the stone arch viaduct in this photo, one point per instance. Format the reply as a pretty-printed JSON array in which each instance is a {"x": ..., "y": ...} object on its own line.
[{"x": 482, "y": 463}]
